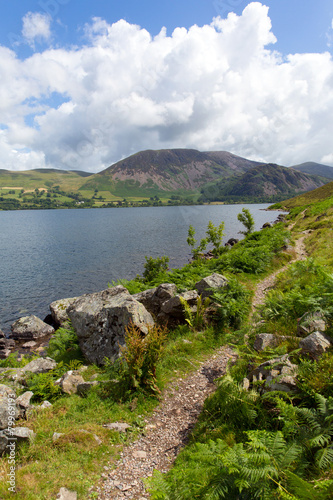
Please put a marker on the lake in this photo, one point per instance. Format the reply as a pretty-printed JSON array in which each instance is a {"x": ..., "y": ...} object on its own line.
[{"x": 47, "y": 255}]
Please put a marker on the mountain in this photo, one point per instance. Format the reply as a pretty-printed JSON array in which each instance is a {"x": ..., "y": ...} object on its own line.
[
  {"x": 168, "y": 170},
  {"x": 264, "y": 183},
  {"x": 313, "y": 168}
]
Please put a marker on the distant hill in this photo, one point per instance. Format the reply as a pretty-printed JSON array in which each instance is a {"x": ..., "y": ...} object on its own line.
[
  {"x": 169, "y": 170},
  {"x": 264, "y": 183},
  {"x": 43, "y": 178},
  {"x": 313, "y": 168}
]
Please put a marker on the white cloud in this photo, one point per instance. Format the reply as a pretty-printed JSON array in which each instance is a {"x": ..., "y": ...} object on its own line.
[
  {"x": 36, "y": 26},
  {"x": 216, "y": 87}
]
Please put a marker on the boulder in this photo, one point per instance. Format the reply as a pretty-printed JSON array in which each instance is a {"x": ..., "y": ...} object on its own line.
[
  {"x": 30, "y": 328},
  {"x": 100, "y": 319},
  {"x": 153, "y": 298},
  {"x": 4, "y": 441},
  {"x": 20, "y": 434},
  {"x": 266, "y": 225},
  {"x": 315, "y": 344},
  {"x": 264, "y": 340},
  {"x": 232, "y": 242},
  {"x": 58, "y": 310},
  {"x": 39, "y": 365},
  {"x": 117, "y": 426},
  {"x": 23, "y": 403},
  {"x": 173, "y": 307},
  {"x": 311, "y": 322},
  {"x": 84, "y": 387},
  {"x": 70, "y": 381},
  {"x": 277, "y": 374},
  {"x": 207, "y": 286},
  {"x": 8, "y": 409},
  {"x": 5, "y": 346}
]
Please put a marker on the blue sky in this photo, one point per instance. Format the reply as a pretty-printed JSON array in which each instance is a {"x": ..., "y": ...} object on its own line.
[{"x": 82, "y": 89}]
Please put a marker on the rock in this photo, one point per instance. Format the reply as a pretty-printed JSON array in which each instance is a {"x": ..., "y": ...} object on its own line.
[
  {"x": 29, "y": 345},
  {"x": 46, "y": 404},
  {"x": 4, "y": 441},
  {"x": 85, "y": 387},
  {"x": 174, "y": 307},
  {"x": 4, "y": 353},
  {"x": 5, "y": 346},
  {"x": 232, "y": 241},
  {"x": 23, "y": 403},
  {"x": 315, "y": 344},
  {"x": 139, "y": 454},
  {"x": 20, "y": 434},
  {"x": 117, "y": 426},
  {"x": 264, "y": 340},
  {"x": 246, "y": 384},
  {"x": 56, "y": 436},
  {"x": 30, "y": 328},
  {"x": 70, "y": 381},
  {"x": 153, "y": 298},
  {"x": 311, "y": 322},
  {"x": 277, "y": 374},
  {"x": 58, "y": 310},
  {"x": 40, "y": 365},
  {"x": 100, "y": 319},
  {"x": 8, "y": 409},
  {"x": 266, "y": 225},
  {"x": 65, "y": 494},
  {"x": 208, "y": 285}
]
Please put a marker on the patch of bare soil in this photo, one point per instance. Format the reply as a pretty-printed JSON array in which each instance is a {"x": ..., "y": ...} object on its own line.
[{"x": 166, "y": 432}]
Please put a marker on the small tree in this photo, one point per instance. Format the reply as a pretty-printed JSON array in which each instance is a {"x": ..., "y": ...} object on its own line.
[
  {"x": 215, "y": 235},
  {"x": 153, "y": 267},
  {"x": 247, "y": 220},
  {"x": 191, "y": 241}
]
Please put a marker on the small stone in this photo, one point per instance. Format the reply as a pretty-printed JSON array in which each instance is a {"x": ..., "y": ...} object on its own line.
[
  {"x": 117, "y": 426},
  {"x": 46, "y": 404},
  {"x": 56, "y": 436},
  {"x": 139, "y": 454},
  {"x": 29, "y": 345},
  {"x": 65, "y": 494}
]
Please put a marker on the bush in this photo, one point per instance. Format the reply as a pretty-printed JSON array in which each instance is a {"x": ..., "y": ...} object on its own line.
[
  {"x": 234, "y": 302},
  {"x": 153, "y": 268},
  {"x": 64, "y": 345}
]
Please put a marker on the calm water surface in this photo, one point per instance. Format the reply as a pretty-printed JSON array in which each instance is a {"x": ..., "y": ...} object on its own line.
[{"x": 47, "y": 255}]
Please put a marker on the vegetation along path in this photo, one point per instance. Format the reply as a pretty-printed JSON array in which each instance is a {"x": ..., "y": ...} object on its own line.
[{"x": 166, "y": 431}]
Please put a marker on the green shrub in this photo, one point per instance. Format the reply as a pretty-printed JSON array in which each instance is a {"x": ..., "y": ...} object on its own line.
[
  {"x": 247, "y": 220},
  {"x": 196, "y": 320},
  {"x": 234, "y": 303},
  {"x": 153, "y": 268},
  {"x": 64, "y": 345}
]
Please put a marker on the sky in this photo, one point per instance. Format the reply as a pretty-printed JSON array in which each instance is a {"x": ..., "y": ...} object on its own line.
[{"x": 85, "y": 83}]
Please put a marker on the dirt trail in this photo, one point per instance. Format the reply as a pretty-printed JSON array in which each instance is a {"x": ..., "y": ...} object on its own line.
[{"x": 166, "y": 431}]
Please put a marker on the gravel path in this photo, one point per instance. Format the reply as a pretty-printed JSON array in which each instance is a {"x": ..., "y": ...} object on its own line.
[
  {"x": 168, "y": 429},
  {"x": 166, "y": 432}
]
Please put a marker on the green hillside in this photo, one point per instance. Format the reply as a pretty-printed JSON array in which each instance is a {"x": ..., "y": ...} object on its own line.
[
  {"x": 264, "y": 183},
  {"x": 314, "y": 168}
]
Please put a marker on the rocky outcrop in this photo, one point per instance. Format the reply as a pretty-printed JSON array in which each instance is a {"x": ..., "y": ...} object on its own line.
[
  {"x": 153, "y": 298},
  {"x": 311, "y": 322},
  {"x": 30, "y": 328},
  {"x": 277, "y": 374},
  {"x": 316, "y": 344},
  {"x": 174, "y": 307},
  {"x": 99, "y": 320},
  {"x": 59, "y": 308},
  {"x": 207, "y": 286}
]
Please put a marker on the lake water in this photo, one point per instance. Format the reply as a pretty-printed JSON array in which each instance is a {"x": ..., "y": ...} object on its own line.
[{"x": 47, "y": 255}]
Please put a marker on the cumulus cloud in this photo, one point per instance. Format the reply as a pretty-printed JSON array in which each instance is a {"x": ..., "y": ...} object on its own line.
[
  {"x": 36, "y": 26},
  {"x": 217, "y": 87}
]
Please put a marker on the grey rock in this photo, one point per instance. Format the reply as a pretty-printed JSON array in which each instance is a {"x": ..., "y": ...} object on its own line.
[
  {"x": 311, "y": 322},
  {"x": 285, "y": 384},
  {"x": 8, "y": 409},
  {"x": 46, "y": 404},
  {"x": 29, "y": 345},
  {"x": 23, "y": 403},
  {"x": 56, "y": 436},
  {"x": 30, "y": 328},
  {"x": 58, "y": 310},
  {"x": 277, "y": 374},
  {"x": 246, "y": 383},
  {"x": 264, "y": 340},
  {"x": 174, "y": 307},
  {"x": 70, "y": 381},
  {"x": 83, "y": 388},
  {"x": 4, "y": 353},
  {"x": 153, "y": 298},
  {"x": 100, "y": 320},
  {"x": 40, "y": 365},
  {"x": 65, "y": 494},
  {"x": 4, "y": 441},
  {"x": 139, "y": 454},
  {"x": 117, "y": 426},
  {"x": 266, "y": 225},
  {"x": 316, "y": 344},
  {"x": 20, "y": 434},
  {"x": 207, "y": 286}
]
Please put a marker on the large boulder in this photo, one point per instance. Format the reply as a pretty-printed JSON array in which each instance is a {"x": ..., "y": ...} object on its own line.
[
  {"x": 277, "y": 374},
  {"x": 99, "y": 320},
  {"x": 70, "y": 381},
  {"x": 58, "y": 310},
  {"x": 40, "y": 365},
  {"x": 207, "y": 286},
  {"x": 153, "y": 298},
  {"x": 174, "y": 307},
  {"x": 30, "y": 328},
  {"x": 316, "y": 344}
]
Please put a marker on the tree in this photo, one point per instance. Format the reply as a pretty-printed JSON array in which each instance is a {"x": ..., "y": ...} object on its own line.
[
  {"x": 247, "y": 220},
  {"x": 215, "y": 235}
]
